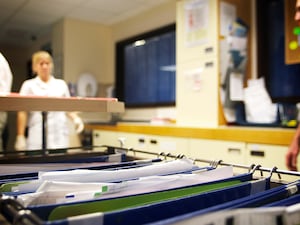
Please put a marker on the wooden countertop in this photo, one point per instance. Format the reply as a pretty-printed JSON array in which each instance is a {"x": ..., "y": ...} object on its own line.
[
  {"x": 261, "y": 135},
  {"x": 17, "y": 102}
]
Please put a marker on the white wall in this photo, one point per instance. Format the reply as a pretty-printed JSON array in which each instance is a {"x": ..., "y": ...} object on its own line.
[{"x": 83, "y": 47}]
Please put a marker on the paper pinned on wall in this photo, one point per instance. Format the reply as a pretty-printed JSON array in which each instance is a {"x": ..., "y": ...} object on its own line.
[
  {"x": 193, "y": 80},
  {"x": 237, "y": 43},
  {"x": 258, "y": 104},
  {"x": 236, "y": 85},
  {"x": 225, "y": 59},
  {"x": 196, "y": 22},
  {"x": 227, "y": 17}
]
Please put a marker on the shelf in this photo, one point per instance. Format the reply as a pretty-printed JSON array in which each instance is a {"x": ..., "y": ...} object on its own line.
[{"x": 16, "y": 102}]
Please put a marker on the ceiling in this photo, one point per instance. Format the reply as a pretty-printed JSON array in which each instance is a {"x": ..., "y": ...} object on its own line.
[{"x": 22, "y": 21}]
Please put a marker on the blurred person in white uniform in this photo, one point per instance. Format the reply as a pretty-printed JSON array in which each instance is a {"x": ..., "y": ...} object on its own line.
[
  {"x": 45, "y": 84},
  {"x": 6, "y": 78}
]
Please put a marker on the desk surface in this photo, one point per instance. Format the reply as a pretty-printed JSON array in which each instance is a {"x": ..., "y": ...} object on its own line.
[{"x": 276, "y": 136}]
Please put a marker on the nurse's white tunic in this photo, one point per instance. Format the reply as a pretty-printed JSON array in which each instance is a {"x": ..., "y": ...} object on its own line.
[{"x": 57, "y": 127}]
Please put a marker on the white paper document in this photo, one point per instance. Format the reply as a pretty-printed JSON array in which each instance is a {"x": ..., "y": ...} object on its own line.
[
  {"x": 236, "y": 85},
  {"x": 258, "y": 104},
  {"x": 52, "y": 192}
]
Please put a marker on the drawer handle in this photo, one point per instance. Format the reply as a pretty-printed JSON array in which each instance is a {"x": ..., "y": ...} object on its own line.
[
  {"x": 153, "y": 141},
  {"x": 257, "y": 153},
  {"x": 209, "y": 50},
  {"x": 234, "y": 150},
  {"x": 209, "y": 64},
  {"x": 141, "y": 140}
]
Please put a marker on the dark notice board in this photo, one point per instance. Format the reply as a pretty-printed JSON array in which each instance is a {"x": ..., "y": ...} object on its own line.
[{"x": 282, "y": 78}]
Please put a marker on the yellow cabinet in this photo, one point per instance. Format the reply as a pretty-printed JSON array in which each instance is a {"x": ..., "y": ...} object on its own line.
[
  {"x": 269, "y": 156},
  {"x": 215, "y": 150},
  {"x": 167, "y": 144},
  {"x": 133, "y": 140},
  {"x": 154, "y": 143},
  {"x": 230, "y": 152},
  {"x": 266, "y": 155},
  {"x": 101, "y": 137}
]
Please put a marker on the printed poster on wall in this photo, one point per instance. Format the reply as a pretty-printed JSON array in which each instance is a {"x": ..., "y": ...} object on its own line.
[{"x": 196, "y": 22}]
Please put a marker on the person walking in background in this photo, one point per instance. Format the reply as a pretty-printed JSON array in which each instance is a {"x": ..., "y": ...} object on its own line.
[
  {"x": 293, "y": 151},
  {"x": 6, "y": 79},
  {"x": 44, "y": 84}
]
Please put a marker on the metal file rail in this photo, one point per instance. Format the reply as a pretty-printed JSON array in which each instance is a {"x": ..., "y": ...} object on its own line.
[
  {"x": 14, "y": 213},
  {"x": 213, "y": 163}
]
